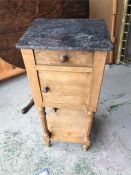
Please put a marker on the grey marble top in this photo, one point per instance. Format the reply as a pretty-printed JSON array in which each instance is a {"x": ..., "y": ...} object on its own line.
[{"x": 66, "y": 34}]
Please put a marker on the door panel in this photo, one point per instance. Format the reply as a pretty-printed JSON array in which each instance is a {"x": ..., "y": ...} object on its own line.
[{"x": 65, "y": 89}]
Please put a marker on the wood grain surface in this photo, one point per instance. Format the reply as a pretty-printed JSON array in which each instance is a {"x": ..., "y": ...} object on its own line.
[{"x": 74, "y": 58}]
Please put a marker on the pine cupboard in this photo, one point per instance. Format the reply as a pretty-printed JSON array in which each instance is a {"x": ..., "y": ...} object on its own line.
[{"x": 65, "y": 61}]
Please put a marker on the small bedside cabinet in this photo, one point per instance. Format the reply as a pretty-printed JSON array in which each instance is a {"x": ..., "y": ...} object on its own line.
[{"x": 65, "y": 60}]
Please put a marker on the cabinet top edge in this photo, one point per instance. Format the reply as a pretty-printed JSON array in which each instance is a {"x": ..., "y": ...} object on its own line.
[{"x": 66, "y": 34}]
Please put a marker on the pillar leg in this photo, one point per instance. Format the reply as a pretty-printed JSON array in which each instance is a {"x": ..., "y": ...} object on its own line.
[
  {"x": 86, "y": 141},
  {"x": 46, "y": 134}
]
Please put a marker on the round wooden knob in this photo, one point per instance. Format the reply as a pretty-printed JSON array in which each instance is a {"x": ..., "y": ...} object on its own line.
[
  {"x": 63, "y": 58},
  {"x": 45, "y": 89}
]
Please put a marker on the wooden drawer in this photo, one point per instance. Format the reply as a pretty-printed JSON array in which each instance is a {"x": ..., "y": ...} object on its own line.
[
  {"x": 65, "y": 89},
  {"x": 72, "y": 58}
]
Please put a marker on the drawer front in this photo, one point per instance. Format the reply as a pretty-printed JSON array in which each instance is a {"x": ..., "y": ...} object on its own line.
[
  {"x": 65, "y": 89},
  {"x": 64, "y": 58}
]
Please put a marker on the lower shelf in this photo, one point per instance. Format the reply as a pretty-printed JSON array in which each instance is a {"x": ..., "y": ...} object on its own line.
[{"x": 67, "y": 125}]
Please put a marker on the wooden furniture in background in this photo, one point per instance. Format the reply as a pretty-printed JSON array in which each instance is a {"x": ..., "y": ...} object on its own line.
[
  {"x": 7, "y": 70},
  {"x": 106, "y": 9},
  {"x": 122, "y": 53},
  {"x": 65, "y": 64},
  {"x": 119, "y": 16}
]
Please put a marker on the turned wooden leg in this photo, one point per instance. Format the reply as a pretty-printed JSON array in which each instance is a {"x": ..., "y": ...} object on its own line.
[
  {"x": 86, "y": 144},
  {"x": 46, "y": 134},
  {"x": 86, "y": 141}
]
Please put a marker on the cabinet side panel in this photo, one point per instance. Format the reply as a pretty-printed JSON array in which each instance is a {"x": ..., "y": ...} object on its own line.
[
  {"x": 97, "y": 75},
  {"x": 29, "y": 61}
]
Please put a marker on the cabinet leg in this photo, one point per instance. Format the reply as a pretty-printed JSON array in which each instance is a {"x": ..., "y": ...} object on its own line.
[
  {"x": 86, "y": 145},
  {"x": 46, "y": 137},
  {"x": 46, "y": 134},
  {"x": 86, "y": 141}
]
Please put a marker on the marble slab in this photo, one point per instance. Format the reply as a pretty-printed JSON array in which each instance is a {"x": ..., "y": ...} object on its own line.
[{"x": 66, "y": 34}]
